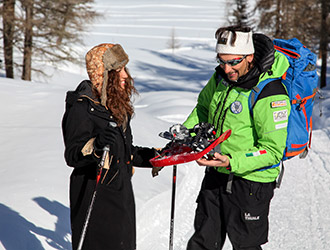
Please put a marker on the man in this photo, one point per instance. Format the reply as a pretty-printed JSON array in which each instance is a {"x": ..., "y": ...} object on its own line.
[{"x": 239, "y": 183}]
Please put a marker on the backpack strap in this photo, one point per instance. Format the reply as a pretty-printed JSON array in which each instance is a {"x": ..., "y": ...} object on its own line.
[
  {"x": 269, "y": 87},
  {"x": 280, "y": 176}
]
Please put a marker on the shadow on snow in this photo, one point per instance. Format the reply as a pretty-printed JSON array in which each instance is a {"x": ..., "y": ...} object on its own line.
[
  {"x": 16, "y": 232},
  {"x": 165, "y": 78}
]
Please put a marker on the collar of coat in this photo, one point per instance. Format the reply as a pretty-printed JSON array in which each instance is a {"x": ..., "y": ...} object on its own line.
[{"x": 84, "y": 89}]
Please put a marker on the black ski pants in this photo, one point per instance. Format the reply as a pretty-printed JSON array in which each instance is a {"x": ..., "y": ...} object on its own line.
[{"x": 242, "y": 215}]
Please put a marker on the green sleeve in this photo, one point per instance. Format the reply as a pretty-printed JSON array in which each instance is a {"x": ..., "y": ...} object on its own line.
[
  {"x": 271, "y": 132},
  {"x": 201, "y": 110}
]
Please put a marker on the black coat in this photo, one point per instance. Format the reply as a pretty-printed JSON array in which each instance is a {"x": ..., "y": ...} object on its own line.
[{"x": 112, "y": 222}]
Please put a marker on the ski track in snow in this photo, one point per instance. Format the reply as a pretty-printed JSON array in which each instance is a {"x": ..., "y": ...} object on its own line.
[
  {"x": 109, "y": 34},
  {"x": 156, "y": 6},
  {"x": 144, "y": 26},
  {"x": 153, "y": 26},
  {"x": 320, "y": 191},
  {"x": 299, "y": 216},
  {"x": 189, "y": 178},
  {"x": 298, "y": 209}
]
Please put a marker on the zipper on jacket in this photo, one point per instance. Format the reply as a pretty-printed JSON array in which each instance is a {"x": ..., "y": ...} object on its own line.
[
  {"x": 223, "y": 119},
  {"x": 222, "y": 108},
  {"x": 127, "y": 148}
]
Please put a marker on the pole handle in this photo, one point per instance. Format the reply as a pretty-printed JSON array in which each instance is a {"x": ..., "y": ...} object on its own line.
[{"x": 106, "y": 150}]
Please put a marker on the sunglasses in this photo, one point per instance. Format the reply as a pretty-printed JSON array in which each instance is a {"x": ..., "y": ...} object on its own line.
[{"x": 231, "y": 63}]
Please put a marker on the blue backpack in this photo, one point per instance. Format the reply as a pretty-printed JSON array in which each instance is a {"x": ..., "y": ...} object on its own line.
[{"x": 301, "y": 82}]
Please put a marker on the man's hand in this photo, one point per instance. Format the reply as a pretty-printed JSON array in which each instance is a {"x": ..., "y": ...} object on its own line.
[{"x": 217, "y": 160}]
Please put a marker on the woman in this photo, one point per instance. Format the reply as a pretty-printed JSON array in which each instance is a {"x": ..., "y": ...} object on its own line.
[{"x": 90, "y": 110}]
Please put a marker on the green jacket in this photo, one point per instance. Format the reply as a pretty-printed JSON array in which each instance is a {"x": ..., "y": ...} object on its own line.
[{"x": 256, "y": 142}]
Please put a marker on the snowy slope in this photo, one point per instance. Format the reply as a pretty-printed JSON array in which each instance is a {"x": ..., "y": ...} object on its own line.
[{"x": 34, "y": 210}]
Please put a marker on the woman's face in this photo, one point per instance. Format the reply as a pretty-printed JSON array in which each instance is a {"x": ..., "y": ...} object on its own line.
[{"x": 122, "y": 76}]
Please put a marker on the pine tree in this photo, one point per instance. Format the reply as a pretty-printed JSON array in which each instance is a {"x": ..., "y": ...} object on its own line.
[
  {"x": 173, "y": 43},
  {"x": 306, "y": 20},
  {"x": 290, "y": 18},
  {"x": 47, "y": 30},
  {"x": 241, "y": 14},
  {"x": 28, "y": 36},
  {"x": 8, "y": 20},
  {"x": 324, "y": 40}
]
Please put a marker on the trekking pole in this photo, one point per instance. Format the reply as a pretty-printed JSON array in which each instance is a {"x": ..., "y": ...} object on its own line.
[
  {"x": 172, "y": 207},
  {"x": 106, "y": 150}
]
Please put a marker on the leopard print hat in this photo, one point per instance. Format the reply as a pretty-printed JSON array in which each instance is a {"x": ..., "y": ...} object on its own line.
[{"x": 100, "y": 60}]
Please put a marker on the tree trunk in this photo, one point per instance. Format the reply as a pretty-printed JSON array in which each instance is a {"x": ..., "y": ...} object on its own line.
[
  {"x": 8, "y": 35},
  {"x": 278, "y": 19},
  {"x": 67, "y": 11},
  {"x": 324, "y": 43},
  {"x": 27, "y": 56}
]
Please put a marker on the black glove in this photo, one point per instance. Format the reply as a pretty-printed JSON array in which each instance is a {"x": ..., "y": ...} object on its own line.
[{"x": 108, "y": 136}]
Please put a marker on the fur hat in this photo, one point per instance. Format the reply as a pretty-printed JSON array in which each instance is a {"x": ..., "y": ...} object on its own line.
[
  {"x": 243, "y": 44},
  {"x": 101, "y": 59}
]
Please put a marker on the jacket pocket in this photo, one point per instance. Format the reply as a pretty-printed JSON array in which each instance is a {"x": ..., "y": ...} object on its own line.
[{"x": 112, "y": 180}]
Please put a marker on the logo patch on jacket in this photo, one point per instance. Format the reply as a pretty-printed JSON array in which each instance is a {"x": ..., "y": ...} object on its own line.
[
  {"x": 278, "y": 104},
  {"x": 236, "y": 107},
  {"x": 260, "y": 152},
  {"x": 280, "y": 116},
  {"x": 248, "y": 216},
  {"x": 281, "y": 125}
]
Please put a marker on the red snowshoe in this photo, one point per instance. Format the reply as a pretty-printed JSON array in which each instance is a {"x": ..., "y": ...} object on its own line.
[{"x": 184, "y": 148}]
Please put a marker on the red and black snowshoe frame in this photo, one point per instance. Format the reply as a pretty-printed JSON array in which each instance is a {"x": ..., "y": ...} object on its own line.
[{"x": 188, "y": 148}]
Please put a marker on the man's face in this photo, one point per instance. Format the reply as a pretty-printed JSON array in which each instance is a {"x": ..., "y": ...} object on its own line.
[{"x": 235, "y": 66}]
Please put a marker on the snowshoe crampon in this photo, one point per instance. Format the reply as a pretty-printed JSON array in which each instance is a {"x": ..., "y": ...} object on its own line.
[{"x": 179, "y": 153}]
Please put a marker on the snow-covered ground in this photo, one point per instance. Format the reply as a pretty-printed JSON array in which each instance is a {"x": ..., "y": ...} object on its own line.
[{"x": 34, "y": 211}]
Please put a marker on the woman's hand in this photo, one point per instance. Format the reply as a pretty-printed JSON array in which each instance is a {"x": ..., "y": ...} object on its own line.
[{"x": 217, "y": 160}]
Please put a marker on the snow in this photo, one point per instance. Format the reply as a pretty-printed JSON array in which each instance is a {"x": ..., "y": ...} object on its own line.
[{"x": 34, "y": 179}]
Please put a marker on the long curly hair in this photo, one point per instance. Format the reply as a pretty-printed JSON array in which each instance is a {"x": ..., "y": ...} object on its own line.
[{"x": 118, "y": 98}]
